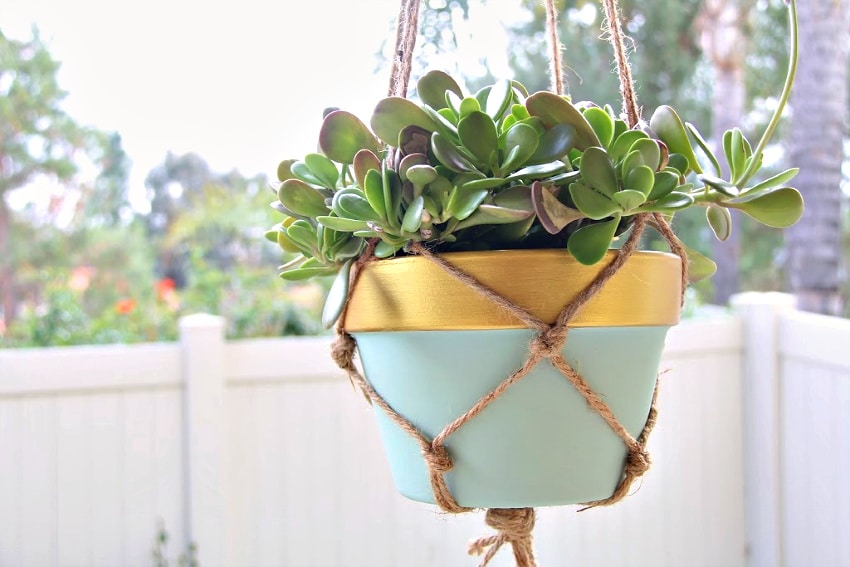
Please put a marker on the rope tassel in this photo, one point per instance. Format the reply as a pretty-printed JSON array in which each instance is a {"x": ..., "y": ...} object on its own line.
[{"x": 513, "y": 526}]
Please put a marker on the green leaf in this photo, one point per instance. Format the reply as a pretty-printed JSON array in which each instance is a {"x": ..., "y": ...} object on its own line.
[
  {"x": 300, "y": 170},
  {"x": 538, "y": 171},
  {"x": 597, "y": 171},
  {"x": 468, "y": 105},
  {"x": 719, "y": 220},
  {"x": 392, "y": 196},
  {"x": 306, "y": 273},
  {"x": 384, "y": 249},
  {"x": 629, "y": 199},
  {"x": 602, "y": 124},
  {"x": 554, "y": 109},
  {"x": 772, "y": 182},
  {"x": 337, "y": 296},
  {"x": 343, "y": 135},
  {"x": 589, "y": 244},
  {"x": 393, "y": 114},
  {"x": 364, "y": 160},
  {"x": 623, "y": 143},
  {"x": 695, "y": 134},
  {"x": 555, "y": 143},
  {"x": 373, "y": 188},
  {"x": 492, "y": 214},
  {"x": 673, "y": 201},
  {"x": 303, "y": 235},
  {"x": 413, "y": 216},
  {"x": 699, "y": 267},
  {"x": 498, "y": 99},
  {"x": 779, "y": 208},
  {"x": 432, "y": 87},
  {"x": 323, "y": 168},
  {"x": 486, "y": 183},
  {"x": 665, "y": 182},
  {"x": 669, "y": 128},
  {"x": 449, "y": 155},
  {"x": 720, "y": 185},
  {"x": 284, "y": 170},
  {"x": 478, "y": 135},
  {"x": 591, "y": 202},
  {"x": 517, "y": 197},
  {"x": 351, "y": 206},
  {"x": 650, "y": 151},
  {"x": 463, "y": 203},
  {"x": 342, "y": 224},
  {"x": 642, "y": 178},
  {"x": 302, "y": 199},
  {"x": 520, "y": 145}
]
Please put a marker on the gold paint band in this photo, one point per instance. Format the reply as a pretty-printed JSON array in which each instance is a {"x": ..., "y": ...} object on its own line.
[{"x": 412, "y": 293}]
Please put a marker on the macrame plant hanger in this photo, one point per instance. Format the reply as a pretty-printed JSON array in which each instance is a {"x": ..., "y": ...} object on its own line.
[{"x": 514, "y": 526}]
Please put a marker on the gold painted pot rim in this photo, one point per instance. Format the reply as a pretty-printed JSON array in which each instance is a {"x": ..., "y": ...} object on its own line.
[{"x": 412, "y": 293}]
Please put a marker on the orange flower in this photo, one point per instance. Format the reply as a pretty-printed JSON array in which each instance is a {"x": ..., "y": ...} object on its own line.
[
  {"x": 164, "y": 287},
  {"x": 125, "y": 306}
]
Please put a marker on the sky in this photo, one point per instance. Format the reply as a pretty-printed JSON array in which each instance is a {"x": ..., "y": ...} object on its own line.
[{"x": 242, "y": 84}]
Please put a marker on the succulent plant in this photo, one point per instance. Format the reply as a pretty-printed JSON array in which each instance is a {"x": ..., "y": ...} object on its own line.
[{"x": 501, "y": 169}]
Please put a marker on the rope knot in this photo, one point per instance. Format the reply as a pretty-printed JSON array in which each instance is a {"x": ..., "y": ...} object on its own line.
[
  {"x": 637, "y": 462},
  {"x": 342, "y": 350},
  {"x": 549, "y": 342},
  {"x": 513, "y": 526},
  {"x": 438, "y": 459}
]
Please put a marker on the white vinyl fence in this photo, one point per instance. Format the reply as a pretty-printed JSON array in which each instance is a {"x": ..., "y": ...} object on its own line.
[{"x": 262, "y": 454}]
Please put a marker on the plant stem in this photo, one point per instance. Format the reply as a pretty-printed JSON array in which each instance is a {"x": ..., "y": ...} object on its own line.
[{"x": 783, "y": 99}]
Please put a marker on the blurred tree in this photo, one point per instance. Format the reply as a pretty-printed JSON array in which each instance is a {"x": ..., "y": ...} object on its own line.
[
  {"x": 37, "y": 139},
  {"x": 818, "y": 130}
]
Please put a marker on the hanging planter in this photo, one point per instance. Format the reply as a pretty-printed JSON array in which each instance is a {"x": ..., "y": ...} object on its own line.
[
  {"x": 485, "y": 247},
  {"x": 538, "y": 444}
]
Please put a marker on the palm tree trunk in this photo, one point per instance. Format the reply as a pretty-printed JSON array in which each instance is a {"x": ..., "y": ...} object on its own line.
[{"x": 818, "y": 128}]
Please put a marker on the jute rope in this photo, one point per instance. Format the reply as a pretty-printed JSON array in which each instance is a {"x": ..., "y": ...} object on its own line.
[{"x": 515, "y": 526}]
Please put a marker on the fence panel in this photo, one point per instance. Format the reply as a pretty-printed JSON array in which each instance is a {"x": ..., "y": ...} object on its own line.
[{"x": 815, "y": 438}]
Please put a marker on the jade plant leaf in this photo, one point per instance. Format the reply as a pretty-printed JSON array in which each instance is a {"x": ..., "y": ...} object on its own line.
[
  {"x": 352, "y": 206},
  {"x": 673, "y": 201},
  {"x": 779, "y": 208},
  {"x": 478, "y": 134},
  {"x": 343, "y": 135},
  {"x": 650, "y": 152},
  {"x": 450, "y": 155},
  {"x": 342, "y": 224},
  {"x": 623, "y": 143},
  {"x": 300, "y": 171},
  {"x": 323, "y": 168},
  {"x": 602, "y": 124},
  {"x": 669, "y": 128},
  {"x": 493, "y": 214},
  {"x": 641, "y": 178},
  {"x": 719, "y": 220},
  {"x": 629, "y": 199},
  {"x": 432, "y": 87},
  {"x": 720, "y": 185},
  {"x": 391, "y": 184},
  {"x": 538, "y": 171},
  {"x": 517, "y": 197},
  {"x": 553, "y": 214},
  {"x": 463, "y": 203},
  {"x": 498, "y": 99},
  {"x": 597, "y": 171},
  {"x": 520, "y": 145},
  {"x": 703, "y": 145},
  {"x": 337, "y": 296},
  {"x": 364, "y": 160},
  {"x": 284, "y": 170},
  {"x": 554, "y": 109},
  {"x": 593, "y": 204},
  {"x": 554, "y": 144},
  {"x": 392, "y": 114},
  {"x": 665, "y": 182},
  {"x": 700, "y": 267},
  {"x": 589, "y": 244},
  {"x": 301, "y": 198},
  {"x": 413, "y": 216},
  {"x": 385, "y": 249},
  {"x": 774, "y": 181},
  {"x": 373, "y": 188}
]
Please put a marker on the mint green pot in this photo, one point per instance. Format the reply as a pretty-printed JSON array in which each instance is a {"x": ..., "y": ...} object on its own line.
[
  {"x": 432, "y": 347},
  {"x": 536, "y": 445}
]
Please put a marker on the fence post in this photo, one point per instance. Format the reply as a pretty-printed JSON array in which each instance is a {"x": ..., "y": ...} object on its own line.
[
  {"x": 202, "y": 351},
  {"x": 759, "y": 313}
]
